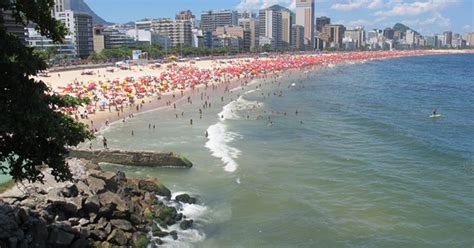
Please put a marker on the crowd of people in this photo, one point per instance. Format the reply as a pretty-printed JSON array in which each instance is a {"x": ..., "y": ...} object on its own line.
[{"x": 107, "y": 94}]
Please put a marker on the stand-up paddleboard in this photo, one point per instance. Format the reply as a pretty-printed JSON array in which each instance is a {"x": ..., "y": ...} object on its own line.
[{"x": 435, "y": 116}]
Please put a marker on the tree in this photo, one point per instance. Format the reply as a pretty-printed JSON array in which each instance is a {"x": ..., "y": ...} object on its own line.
[
  {"x": 33, "y": 131},
  {"x": 96, "y": 57}
]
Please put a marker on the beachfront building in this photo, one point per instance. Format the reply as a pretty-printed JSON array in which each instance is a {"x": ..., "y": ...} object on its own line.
[
  {"x": 246, "y": 14},
  {"x": 61, "y": 6},
  {"x": 178, "y": 31},
  {"x": 36, "y": 40},
  {"x": 275, "y": 23},
  {"x": 210, "y": 20},
  {"x": 356, "y": 36},
  {"x": 305, "y": 18},
  {"x": 333, "y": 33},
  {"x": 388, "y": 33},
  {"x": 243, "y": 35},
  {"x": 469, "y": 37},
  {"x": 13, "y": 27},
  {"x": 448, "y": 39},
  {"x": 186, "y": 16},
  {"x": 410, "y": 38},
  {"x": 297, "y": 37},
  {"x": 80, "y": 29},
  {"x": 110, "y": 37},
  {"x": 250, "y": 24},
  {"x": 83, "y": 34},
  {"x": 321, "y": 22}
]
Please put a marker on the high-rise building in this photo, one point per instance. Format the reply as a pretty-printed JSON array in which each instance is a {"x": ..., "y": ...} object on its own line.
[
  {"x": 235, "y": 31},
  {"x": 389, "y": 33},
  {"x": 448, "y": 38},
  {"x": 410, "y": 37},
  {"x": 469, "y": 37},
  {"x": 13, "y": 27},
  {"x": 60, "y": 6},
  {"x": 321, "y": 21},
  {"x": 83, "y": 34},
  {"x": 251, "y": 25},
  {"x": 246, "y": 14},
  {"x": 305, "y": 18},
  {"x": 98, "y": 38},
  {"x": 357, "y": 36},
  {"x": 297, "y": 40},
  {"x": 275, "y": 23},
  {"x": 186, "y": 16},
  {"x": 270, "y": 27},
  {"x": 210, "y": 20},
  {"x": 179, "y": 32},
  {"x": 334, "y": 34},
  {"x": 36, "y": 40}
]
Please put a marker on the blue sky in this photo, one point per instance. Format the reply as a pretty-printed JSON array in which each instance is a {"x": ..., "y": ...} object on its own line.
[{"x": 426, "y": 16}]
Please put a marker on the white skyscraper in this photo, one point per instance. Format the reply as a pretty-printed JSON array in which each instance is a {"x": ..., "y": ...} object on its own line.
[{"x": 305, "y": 18}]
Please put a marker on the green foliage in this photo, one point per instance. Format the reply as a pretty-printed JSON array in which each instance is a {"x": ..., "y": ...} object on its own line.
[
  {"x": 33, "y": 131},
  {"x": 97, "y": 57},
  {"x": 267, "y": 48},
  {"x": 141, "y": 242}
]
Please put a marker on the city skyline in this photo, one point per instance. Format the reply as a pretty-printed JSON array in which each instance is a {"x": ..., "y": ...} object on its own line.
[{"x": 427, "y": 17}]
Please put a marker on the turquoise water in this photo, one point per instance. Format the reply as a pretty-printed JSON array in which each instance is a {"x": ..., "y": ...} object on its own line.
[{"x": 360, "y": 165}]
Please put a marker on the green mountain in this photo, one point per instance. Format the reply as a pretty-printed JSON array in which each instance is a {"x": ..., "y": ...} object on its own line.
[
  {"x": 403, "y": 28},
  {"x": 81, "y": 6}
]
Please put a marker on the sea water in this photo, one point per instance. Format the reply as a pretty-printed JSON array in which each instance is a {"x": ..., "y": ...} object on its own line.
[{"x": 361, "y": 163}]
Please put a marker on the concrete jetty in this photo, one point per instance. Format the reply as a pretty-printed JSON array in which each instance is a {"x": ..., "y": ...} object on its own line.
[{"x": 133, "y": 158}]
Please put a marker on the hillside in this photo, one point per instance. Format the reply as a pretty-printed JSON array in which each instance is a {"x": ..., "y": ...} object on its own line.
[
  {"x": 81, "y": 6},
  {"x": 403, "y": 28}
]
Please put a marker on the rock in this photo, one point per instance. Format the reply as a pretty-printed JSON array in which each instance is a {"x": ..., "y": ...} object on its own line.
[
  {"x": 81, "y": 243},
  {"x": 185, "y": 198},
  {"x": 55, "y": 196},
  {"x": 141, "y": 241},
  {"x": 29, "y": 203},
  {"x": 84, "y": 222},
  {"x": 98, "y": 235},
  {"x": 74, "y": 221},
  {"x": 96, "y": 185},
  {"x": 92, "y": 204},
  {"x": 59, "y": 237},
  {"x": 93, "y": 217},
  {"x": 108, "y": 177},
  {"x": 160, "y": 233},
  {"x": 122, "y": 224},
  {"x": 117, "y": 236},
  {"x": 108, "y": 228},
  {"x": 83, "y": 189},
  {"x": 167, "y": 214},
  {"x": 112, "y": 198},
  {"x": 106, "y": 211},
  {"x": 38, "y": 232},
  {"x": 186, "y": 224},
  {"x": 155, "y": 187},
  {"x": 179, "y": 217},
  {"x": 70, "y": 191},
  {"x": 174, "y": 234}
]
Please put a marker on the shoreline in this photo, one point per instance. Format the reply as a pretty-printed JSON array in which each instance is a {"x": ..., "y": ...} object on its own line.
[{"x": 168, "y": 99}]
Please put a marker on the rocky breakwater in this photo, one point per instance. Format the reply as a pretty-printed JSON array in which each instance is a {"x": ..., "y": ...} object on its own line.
[
  {"x": 137, "y": 158},
  {"x": 100, "y": 209}
]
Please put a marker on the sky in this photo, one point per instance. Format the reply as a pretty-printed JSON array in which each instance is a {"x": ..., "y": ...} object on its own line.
[{"x": 425, "y": 16}]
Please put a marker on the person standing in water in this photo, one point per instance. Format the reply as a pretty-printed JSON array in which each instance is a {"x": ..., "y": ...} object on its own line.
[
  {"x": 435, "y": 111},
  {"x": 104, "y": 141}
]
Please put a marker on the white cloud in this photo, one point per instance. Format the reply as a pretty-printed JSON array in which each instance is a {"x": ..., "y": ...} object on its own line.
[
  {"x": 436, "y": 20},
  {"x": 415, "y": 8},
  {"x": 358, "y": 4},
  {"x": 357, "y": 23},
  {"x": 466, "y": 27}
]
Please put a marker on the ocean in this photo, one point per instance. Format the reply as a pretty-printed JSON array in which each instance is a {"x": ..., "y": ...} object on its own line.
[{"x": 338, "y": 156}]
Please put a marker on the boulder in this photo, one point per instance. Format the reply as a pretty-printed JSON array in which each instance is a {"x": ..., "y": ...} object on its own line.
[
  {"x": 81, "y": 243},
  {"x": 59, "y": 237},
  {"x": 155, "y": 187},
  {"x": 112, "y": 198},
  {"x": 70, "y": 191},
  {"x": 83, "y": 188},
  {"x": 108, "y": 177},
  {"x": 106, "y": 211},
  {"x": 92, "y": 204},
  {"x": 118, "y": 237},
  {"x": 98, "y": 235},
  {"x": 186, "y": 224},
  {"x": 96, "y": 185},
  {"x": 185, "y": 198},
  {"x": 124, "y": 225},
  {"x": 174, "y": 234}
]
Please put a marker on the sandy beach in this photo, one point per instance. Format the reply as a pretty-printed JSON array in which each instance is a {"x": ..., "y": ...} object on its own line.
[{"x": 99, "y": 118}]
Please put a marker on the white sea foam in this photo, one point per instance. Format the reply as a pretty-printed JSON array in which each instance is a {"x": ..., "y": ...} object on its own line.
[
  {"x": 195, "y": 212},
  {"x": 218, "y": 144}
]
